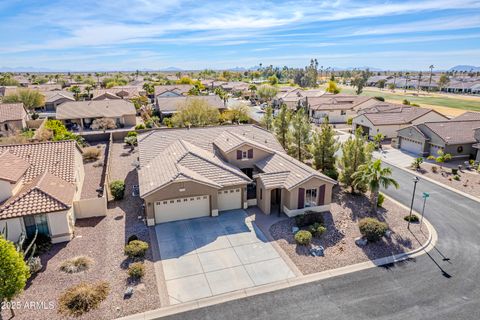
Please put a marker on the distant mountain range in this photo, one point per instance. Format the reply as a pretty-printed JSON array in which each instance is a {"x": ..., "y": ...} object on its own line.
[{"x": 464, "y": 68}]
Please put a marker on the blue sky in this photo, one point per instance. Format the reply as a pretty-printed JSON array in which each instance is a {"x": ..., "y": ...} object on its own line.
[{"x": 150, "y": 34}]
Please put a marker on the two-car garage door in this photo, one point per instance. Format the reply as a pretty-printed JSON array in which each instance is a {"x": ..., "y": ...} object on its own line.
[
  {"x": 412, "y": 146},
  {"x": 182, "y": 208}
]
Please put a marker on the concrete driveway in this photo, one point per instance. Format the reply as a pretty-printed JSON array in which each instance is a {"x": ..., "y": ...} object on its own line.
[
  {"x": 399, "y": 158},
  {"x": 214, "y": 255}
]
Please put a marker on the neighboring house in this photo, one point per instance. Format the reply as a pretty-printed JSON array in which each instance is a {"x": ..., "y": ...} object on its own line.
[
  {"x": 45, "y": 87},
  {"x": 388, "y": 118},
  {"x": 39, "y": 183},
  {"x": 189, "y": 173},
  {"x": 13, "y": 118},
  {"x": 79, "y": 115},
  {"x": 55, "y": 98},
  {"x": 338, "y": 108},
  {"x": 7, "y": 90},
  {"x": 170, "y": 105},
  {"x": 175, "y": 90},
  {"x": 121, "y": 92},
  {"x": 458, "y": 137},
  {"x": 295, "y": 98}
]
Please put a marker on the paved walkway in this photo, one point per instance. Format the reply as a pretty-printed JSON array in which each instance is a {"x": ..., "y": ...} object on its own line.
[{"x": 210, "y": 256}]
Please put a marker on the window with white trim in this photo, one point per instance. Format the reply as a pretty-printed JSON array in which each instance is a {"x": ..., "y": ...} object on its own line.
[{"x": 311, "y": 198}]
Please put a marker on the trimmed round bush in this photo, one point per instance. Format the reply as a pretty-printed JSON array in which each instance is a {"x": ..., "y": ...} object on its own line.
[
  {"x": 316, "y": 229},
  {"x": 136, "y": 270},
  {"x": 372, "y": 229},
  {"x": 380, "y": 200},
  {"x": 412, "y": 218},
  {"x": 117, "y": 188},
  {"x": 303, "y": 237},
  {"x": 82, "y": 298},
  {"x": 136, "y": 249},
  {"x": 76, "y": 264}
]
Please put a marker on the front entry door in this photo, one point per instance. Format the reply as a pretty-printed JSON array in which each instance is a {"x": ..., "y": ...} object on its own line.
[{"x": 32, "y": 223}]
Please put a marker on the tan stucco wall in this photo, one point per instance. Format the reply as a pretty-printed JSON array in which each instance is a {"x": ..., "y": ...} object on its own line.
[
  {"x": 13, "y": 126},
  {"x": 258, "y": 154},
  {"x": 130, "y": 120},
  {"x": 60, "y": 225},
  {"x": 172, "y": 191},
  {"x": 310, "y": 184},
  {"x": 15, "y": 228}
]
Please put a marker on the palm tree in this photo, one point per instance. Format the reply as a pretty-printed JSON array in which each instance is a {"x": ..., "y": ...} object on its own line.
[
  {"x": 374, "y": 176},
  {"x": 430, "y": 79},
  {"x": 76, "y": 92},
  {"x": 88, "y": 89},
  {"x": 418, "y": 81}
]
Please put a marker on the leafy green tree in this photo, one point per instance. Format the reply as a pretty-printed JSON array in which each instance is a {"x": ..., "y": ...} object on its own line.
[
  {"x": 323, "y": 149},
  {"x": 332, "y": 87},
  {"x": 266, "y": 92},
  {"x": 443, "y": 81},
  {"x": 358, "y": 83},
  {"x": 6, "y": 79},
  {"x": 282, "y": 125},
  {"x": 197, "y": 113},
  {"x": 31, "y": 99},
  {"x": 140, "y": 101},
  {"x": 377, "y": 139},
  {"x": 374, "y": 176},
  {"x": 355, "y": 152},
  {"x": 273, "y": 80},
  {"x": 14, "y": 272},
  {"x": 267, "y": 119},
  {"x": 222, "y": 94},
  {"x": 238, "y": 113},
  {"x": 300, "y": 132},
  {"x": 76, "y": 92}
]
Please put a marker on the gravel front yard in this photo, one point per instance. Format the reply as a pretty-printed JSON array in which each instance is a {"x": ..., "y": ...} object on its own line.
[
  {"x": 469, "y": 180},
  {"x": 342, "y": 229},
  {"x": 103, "y": 240}
]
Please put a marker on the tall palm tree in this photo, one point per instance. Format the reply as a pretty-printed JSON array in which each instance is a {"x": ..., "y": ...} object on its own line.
[
  {"x": 418, "y": 81},
  {"x": 430, "y": 79},
  {"x": 374, "y": 176}
]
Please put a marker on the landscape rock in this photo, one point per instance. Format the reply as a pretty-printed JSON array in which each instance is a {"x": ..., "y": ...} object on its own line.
[
  {"x": 317, "y": 251},
  {"x": 295, "y": 229},
  {"x": 361, "y": 241}
]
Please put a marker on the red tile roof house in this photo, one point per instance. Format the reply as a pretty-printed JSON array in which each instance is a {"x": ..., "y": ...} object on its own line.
[
  {"x": 13, "y": 118},
  {"x": 190, "y": 173},
  {"x": 39, "y": 183},
  {"x": 388, "y": 118},
  {"x": 459, "y": 137}
]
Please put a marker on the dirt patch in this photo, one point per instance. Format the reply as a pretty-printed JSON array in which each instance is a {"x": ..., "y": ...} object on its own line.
[
  {"x": 342, "y": 229},
  {"x": 94, "y": 173},
  {"x": 103, "y": 240}
]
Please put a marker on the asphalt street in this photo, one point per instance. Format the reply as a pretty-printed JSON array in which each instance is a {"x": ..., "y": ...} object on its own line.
[{"x": 443, "y": 284}]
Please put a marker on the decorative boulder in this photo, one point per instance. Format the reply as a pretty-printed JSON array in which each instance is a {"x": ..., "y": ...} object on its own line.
[
  {"x": 361, "y": 241},
  {"x": 388, "y": 233},
  {"x": 295, "y": 229},
  {"x": 128, "y": 293},
  {"x": 317, "y": 251}
]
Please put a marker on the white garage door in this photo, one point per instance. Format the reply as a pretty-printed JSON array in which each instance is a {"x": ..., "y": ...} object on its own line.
[
  {"x": 229, "y": 199},
  {"x": 182, "y": 208},
  {"x": 411, "y": 146}
]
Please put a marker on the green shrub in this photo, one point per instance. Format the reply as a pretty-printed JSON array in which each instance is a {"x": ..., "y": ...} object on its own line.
[
  {"x": 332, "y": 173},
  {"x": 412, "y": 218},
  {"x": 416, "y": 164},
  {"x": 350, "y": 121},
  {"x": 136, "y": 270},
  {"x": 372, "y": 229},
  {"x": 456, "y": 177},
  {"x": 380, "y": 98},
  {"x": 76, "y": 264},
  {"x": 303, "y": 237},
  {"x": 140, "y": 126},
  {"x": 454, "y": 171},
  {"x": 308, "y": 218},
  {"x": 132, "y": 134},
  {"x": 136, "y": 249},
  {"x": 434, "y": 169},
  {"x": 82, "y": 298},
  {"x": 117, "y": 188},
  {"x": 380, "y": 200}
]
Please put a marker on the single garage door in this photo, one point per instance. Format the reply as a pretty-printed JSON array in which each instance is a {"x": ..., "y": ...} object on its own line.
[
  {"x": 182, "y": 208},
  {"x": 411, "y": 146},
  {"x": 229, "y": 199}
]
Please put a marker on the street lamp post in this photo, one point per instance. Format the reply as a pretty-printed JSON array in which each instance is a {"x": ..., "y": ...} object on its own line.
[
  {"x": 415, "y": 181},
  {"x": 425, "y": 197}
]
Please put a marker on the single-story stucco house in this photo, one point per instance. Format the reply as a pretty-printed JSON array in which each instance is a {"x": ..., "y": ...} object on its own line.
[
  {"x": 39, "y": 183},
  {"x": 81, "y": 114},
  {"x": 120, "y": 92},
  {"x": 337, "y": 108},
  {"x": 55, "y": 98},
  {"x": 167, "y": 106},
  {"x": 13, "y": 118},
  {"x": 388, "y": 118},
  {"x": 458, "y": 137},
  {"x": 189, "y": 173}
]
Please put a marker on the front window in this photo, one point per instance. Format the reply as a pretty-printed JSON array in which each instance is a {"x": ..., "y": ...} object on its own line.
[{"x": 311, "y": 198}]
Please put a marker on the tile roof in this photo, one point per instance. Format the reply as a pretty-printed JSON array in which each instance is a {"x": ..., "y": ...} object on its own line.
[
  {"x": 389, "y": 114},
  {"x": 46, "y": 193},
  {"x": 52, "y": 96},
  {"x": 178, "y": 88},
  {"x": 95, "y": 109},
  {"x": 454, "y": 131},
  {"x": 58, "y": 158},
  {"x": 120, "y": 91},
  {"x": 469, "y": 115},
  {"x": 172, "y": 104},
  {"x": 13, "y": 167},
  {"x": 166, "y": 153},
  {"x": 12, "y": 112},
  {"x": 336, "y": 102}
]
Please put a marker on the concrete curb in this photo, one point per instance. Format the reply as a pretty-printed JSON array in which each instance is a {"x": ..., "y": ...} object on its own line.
[
  {"x": 434, "y": 181},
  {"x": 244, "y": 293}
]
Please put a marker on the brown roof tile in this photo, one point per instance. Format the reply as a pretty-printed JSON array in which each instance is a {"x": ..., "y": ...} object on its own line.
[{"x": 12, "y": 112}]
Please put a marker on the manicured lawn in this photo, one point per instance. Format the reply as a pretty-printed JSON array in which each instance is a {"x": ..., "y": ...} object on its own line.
[{"x": 456, "y": 103}]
